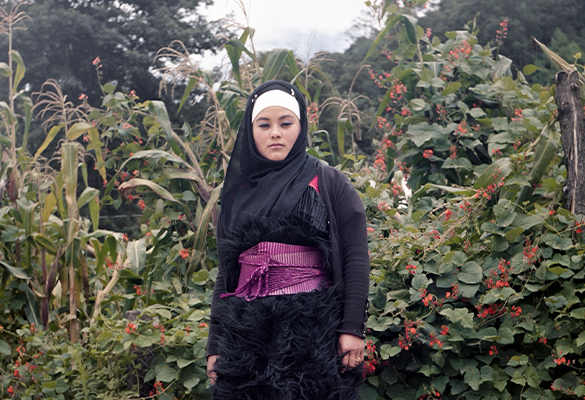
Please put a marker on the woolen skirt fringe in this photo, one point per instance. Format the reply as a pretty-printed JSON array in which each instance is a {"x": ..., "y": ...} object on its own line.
[{"x": 282, "y": 348}]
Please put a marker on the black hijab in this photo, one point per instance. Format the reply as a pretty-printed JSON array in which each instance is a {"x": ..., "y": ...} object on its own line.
[{"x": 256, "y": 186}]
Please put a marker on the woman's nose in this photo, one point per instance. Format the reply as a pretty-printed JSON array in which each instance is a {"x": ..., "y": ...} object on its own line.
[{"x": 275, "y": 132}]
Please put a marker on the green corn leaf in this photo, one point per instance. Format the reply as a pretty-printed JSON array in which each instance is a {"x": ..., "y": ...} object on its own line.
[
  {"x": 188, "y": 89},
  {"x": 159, "y": 109},
  {"x": 503, "y": 166},
  {"x": 341, "y": 123},
  {"x": 47, "y": 206},
  {"x": 136, "y": 253},
  {"x": 136, "y": 182},
  {"x": 20, "y": 70},
  {"x": 392, "y": 20},
  {"x": 291, "y": 62},
  {"x": 14, "y": 271},
  {"x": 274, "y": 63},
  {"x": 544, "y": 154},
  {"x": 88, "y": 195},
  {"x": 50, "y": 137},
  {"x": 78, "y": 129},
  {"x": 45, "y": 242}
]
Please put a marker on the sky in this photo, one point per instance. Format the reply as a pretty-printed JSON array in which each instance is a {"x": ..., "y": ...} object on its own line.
[{"x": 305, "y": 26}]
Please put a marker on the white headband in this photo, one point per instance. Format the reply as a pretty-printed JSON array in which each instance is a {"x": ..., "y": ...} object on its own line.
[{"x": 276, "y": 98}]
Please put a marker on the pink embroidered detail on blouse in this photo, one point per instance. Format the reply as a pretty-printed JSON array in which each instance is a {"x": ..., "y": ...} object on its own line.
[
  {"x": 315, "y": 183},
  {"x": 272, "y": 268}
]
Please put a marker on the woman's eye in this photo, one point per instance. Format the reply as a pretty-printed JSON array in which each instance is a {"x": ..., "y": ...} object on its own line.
[
  {"x": 264, "y": 125},
  {"x": 286, "y": 123}
]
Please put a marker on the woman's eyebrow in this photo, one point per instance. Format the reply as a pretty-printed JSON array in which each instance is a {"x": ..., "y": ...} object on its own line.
[{"x": 268, "y": 119}]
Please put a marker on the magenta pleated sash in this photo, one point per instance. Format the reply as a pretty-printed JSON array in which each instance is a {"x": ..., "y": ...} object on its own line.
[{"x": 272, "y": 268}]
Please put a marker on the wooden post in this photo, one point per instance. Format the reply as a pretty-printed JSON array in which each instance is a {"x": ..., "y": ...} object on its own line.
[{"x": 573, "y": 137}]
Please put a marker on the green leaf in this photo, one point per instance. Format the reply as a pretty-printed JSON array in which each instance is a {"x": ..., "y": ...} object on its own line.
[
  {"x": 420, "y": 281},
  {"x": 52, "y": 134},
  {"x": 392, "y": 20},
  {"x": 159, "y": 109},
  {"x": 20, "y": 70},
  {"x": 529, "y": 69},
  {"x": 5, "y": 69},
  {"x": 495, "y": 295},
  {"x": 234, "y": 47},
  {"x": 291, "y": 62},
  {"x": 410, "y": 24},
  {"x": 544, "y": 155},
  {"x": 78, "y": 129},
  {"x": 341, "y": 128},
  {"x": 499, "y": 169},
  {"x": 423, "y": 132},
  {"x": 89, "y": 194},
  {"x": 4, "y": 348},
  {"x": 188, "y": 89},
  {"x": 191, "y": 382},
  {"x": 160, "y": 310},
  {"x": 274, "y": 64},
  {"x": 470, "y": 273},
  {"x": 472, "y": 378},
  {"x": 557, "y": 241},
  {"x": 182, "y": 363},
  {"x": 155, "y": 187},
  {"x": 518, "y": 360},
  {"x": 578, "y": 313},
  {"x": 417, "y": 104},
  {"x": 109, "y": 88},
  {"x": 429, "y": 370},
  {"x": 477, "y": 112},
  {"x": 14, "y": 271},
  {"x": 388, "y": 351},
  {"x": 461, "y": 315},
  {"x": 501, "y": 67},
  {"x": 504, "y": 212},
  {"x": 526, "y": 221},
  {"x": 513, "y": 234},
  {"x": 136, "y": 253},
  {"x": 499, "y": 244},
  {"x": 46, "y": 242},
  {"x": 164, "y": 373},
  {"x": 451, "y": 88}
]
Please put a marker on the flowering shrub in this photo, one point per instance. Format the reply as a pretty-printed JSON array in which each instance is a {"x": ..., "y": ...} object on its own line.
[{"x": 474, "y": 280}]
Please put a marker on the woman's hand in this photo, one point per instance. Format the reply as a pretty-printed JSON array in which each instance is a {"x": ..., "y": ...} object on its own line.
[
  {"x": 211, "y": 360},
  {"x": 353, "y": 348}
]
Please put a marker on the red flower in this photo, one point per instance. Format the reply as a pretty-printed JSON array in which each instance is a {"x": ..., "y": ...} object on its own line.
[
  {"x": 138, "y": 289},
  {"x": 130, "y": 328},
  {"x": 184, "y": 253}
]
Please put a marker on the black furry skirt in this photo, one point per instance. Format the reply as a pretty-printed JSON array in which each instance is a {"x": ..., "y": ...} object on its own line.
[{"x": 282, "y": 348}]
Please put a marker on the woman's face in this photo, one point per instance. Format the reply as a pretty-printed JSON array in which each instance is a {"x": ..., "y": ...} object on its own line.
[{"x": 275, "y": 131}]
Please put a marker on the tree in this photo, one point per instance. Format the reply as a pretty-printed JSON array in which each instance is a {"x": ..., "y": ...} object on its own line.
[{"x": 67, "y": 35}]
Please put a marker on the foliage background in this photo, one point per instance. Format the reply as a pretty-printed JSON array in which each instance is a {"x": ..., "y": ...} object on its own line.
[{"x": 477, "y": 276}]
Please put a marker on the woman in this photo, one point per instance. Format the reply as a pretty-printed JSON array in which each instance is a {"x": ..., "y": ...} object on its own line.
[{"x": 288, "y": 309}]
